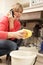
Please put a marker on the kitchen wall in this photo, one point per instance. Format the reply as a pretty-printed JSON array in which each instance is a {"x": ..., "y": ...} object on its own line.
[{"x": 6, "y": 5}]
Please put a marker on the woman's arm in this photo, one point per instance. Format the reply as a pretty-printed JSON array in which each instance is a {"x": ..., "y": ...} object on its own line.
[
  {"x": 4, "y": 34},
  {"x": 7, "y": 35},
  {"x": 17, "y": 35}
]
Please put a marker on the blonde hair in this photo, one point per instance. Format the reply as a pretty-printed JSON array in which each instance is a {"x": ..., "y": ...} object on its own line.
[{"x": 18, "y": 7}]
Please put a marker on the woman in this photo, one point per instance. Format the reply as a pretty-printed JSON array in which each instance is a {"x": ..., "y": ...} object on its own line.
[{"x": 9, "y": 26}]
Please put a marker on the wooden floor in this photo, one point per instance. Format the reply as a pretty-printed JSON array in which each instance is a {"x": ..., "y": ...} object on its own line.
[{"x": 4, "y": 61}]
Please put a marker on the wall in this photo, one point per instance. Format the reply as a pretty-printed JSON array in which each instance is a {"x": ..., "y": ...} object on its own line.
[
  {"x": 2, "y": 7},
  {"x": 5, "y": 5}
]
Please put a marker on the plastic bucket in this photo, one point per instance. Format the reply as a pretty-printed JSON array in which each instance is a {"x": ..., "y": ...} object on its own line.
[
  {"x": 22, "y": 57},
  {"x": 33, "y": 49}
]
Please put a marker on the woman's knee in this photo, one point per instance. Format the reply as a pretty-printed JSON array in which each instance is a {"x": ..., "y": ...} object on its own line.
[
  {"x": 11, "y": 45},
  {"x": 6, "y": 46}
]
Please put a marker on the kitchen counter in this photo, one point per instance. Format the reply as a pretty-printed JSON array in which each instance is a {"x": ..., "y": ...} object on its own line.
[{"x": 37, "y": 15}]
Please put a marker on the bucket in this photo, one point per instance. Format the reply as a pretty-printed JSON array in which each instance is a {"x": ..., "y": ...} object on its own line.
[
  {"x": 22, "y": 57},
  {"x": 33, "y": 49}
]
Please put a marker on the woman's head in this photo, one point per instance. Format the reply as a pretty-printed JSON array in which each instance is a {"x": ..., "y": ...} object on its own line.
[{"x": 17, "y": 9}]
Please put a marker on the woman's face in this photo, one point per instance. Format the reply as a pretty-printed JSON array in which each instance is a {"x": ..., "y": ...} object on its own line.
[{"x": 18, "y": 14}]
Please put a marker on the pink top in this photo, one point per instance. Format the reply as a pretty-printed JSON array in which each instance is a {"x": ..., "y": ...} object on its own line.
[{"x": 4, "y": 27}]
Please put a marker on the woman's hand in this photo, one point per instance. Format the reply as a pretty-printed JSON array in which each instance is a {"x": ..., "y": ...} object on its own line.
[
  {"x": 11, "y": 20},
  {"x": 17, "y": 35}
]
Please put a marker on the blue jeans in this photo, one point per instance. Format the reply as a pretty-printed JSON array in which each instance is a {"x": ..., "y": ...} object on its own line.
[{"x": 6, "y": 46}]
